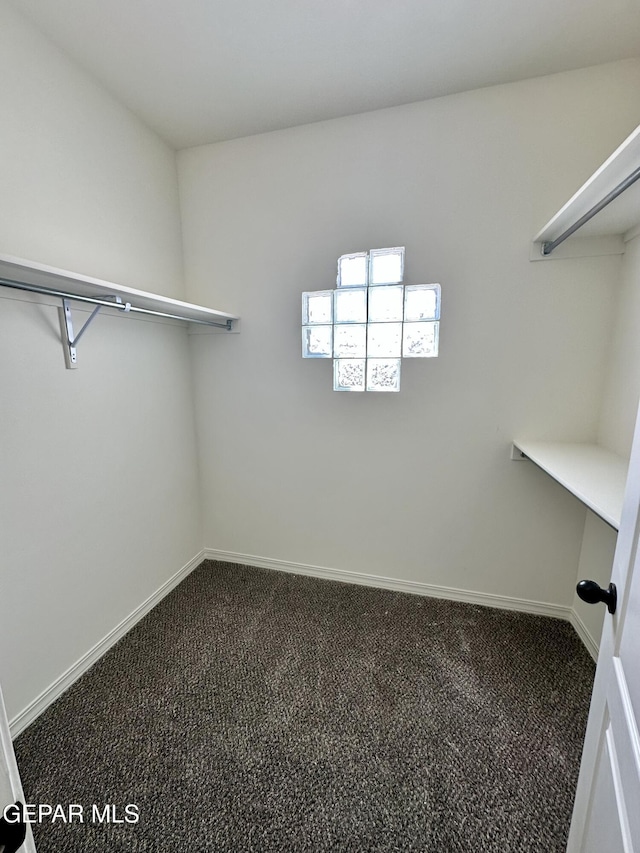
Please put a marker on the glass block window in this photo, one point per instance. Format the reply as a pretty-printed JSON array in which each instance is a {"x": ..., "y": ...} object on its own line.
[
  {"x": 317, "y": 307},
  {"x": 383, "y": 374},
  {"x": 386, "y": 266},
  {"x": 350, "y": 306},
  {"x": 317, "y": 341},
  {"x": 371, "y": 321},
  {"x": 353, "y": 270},
  {"x": 348, "y": 374}
]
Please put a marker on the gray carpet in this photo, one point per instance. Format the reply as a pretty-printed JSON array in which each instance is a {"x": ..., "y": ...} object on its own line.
[{"x": 259, "y": 711}]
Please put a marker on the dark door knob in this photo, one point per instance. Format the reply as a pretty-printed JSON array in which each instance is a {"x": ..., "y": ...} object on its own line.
[
  {"x": 13, "y": 828},
  {"x": 590, "y": 592}
]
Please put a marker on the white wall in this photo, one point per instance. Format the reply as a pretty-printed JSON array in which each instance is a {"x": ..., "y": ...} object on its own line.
[
  {"x": 84, "y": 184},
  {"x": 99, "y": 490},
  {"x": 616, "y": 425},
  {"x": 596, "y": 560},
  {"x": 419, "y": 485},
  {"x": 622, "y": 387}
]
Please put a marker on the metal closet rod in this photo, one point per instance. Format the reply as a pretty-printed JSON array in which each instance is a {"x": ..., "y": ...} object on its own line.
[
  {"x": 547, "y": 248},
  {"x": 121, "y": 306}
]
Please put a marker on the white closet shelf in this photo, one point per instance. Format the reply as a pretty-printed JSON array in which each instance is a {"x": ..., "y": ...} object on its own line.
[
  {"x": 36, "y": 275},
  {"x": 596, "y": 476},
  {"x": 618, "y": 219}
]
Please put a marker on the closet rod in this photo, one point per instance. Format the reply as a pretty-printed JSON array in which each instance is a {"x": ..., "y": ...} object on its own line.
[
  {"x": 547, "y": 248},
  {"x": 121, "y": 306}
]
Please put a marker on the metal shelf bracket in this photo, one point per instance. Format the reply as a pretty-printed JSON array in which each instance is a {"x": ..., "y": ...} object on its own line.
[{"x": 69, "y": 339}]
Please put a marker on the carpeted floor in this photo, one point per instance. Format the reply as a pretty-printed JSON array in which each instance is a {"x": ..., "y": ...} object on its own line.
[{"x": 259, "y": 711}]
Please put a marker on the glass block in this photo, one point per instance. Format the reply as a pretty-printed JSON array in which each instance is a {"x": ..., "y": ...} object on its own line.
[
  {"x": 353, "y": 269},
  {"x": 317, "y": 307},
  {"x": 386, "y": 304},
  {"x": 350, "y": 341},
  {"x": 386, "y": 266},
  {"x": 421, "y": 302},
  {"x": 350, "y": 305},
  {"x": 317, "y": 341},
  {"x": 384, "y": 340},
  {"x": 420, "y": 340},
  {"x": 348, "y": 374},
  {"x": 383, "y": 374}
]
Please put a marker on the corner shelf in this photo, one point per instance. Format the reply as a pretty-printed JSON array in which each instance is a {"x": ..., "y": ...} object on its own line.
[
  {"x": 596, "y": 476},
  {"x": 607, "y": 231},
  {"x": 35, "y": 275}
]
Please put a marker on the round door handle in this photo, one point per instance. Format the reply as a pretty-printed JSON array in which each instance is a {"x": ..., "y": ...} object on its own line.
[
  {"x": 592, "y": 593},
  {"x": 13, "y": 829}
]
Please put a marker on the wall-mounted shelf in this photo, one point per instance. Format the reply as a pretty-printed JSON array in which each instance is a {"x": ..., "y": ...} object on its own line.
[
  {"x": 18, "y": 274},
  {"x": 606, "y": 231},
  {"x": 39, "y": 278},
  {"x": 594, "y": 475}
]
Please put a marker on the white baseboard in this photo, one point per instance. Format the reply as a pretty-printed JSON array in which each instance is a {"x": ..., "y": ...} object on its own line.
[
  {"x": 20, "y": 722},
  {"x": 504, "y": 602},
  {"x": 585, "y": 635}
]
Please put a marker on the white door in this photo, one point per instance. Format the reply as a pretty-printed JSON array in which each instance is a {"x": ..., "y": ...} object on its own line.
[
  {"x": 10, "y": 785},
  {"x": 606, "y": 815}
]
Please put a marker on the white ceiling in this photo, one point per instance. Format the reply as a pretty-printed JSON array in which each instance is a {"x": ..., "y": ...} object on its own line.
[{"x": 200, "y": 71}]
